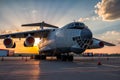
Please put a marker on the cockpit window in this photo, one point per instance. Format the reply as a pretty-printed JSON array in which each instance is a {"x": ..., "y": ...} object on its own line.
[{"x": 75, "y": 25}]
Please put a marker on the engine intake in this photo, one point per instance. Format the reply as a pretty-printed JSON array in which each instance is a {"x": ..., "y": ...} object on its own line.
[
  {"x": 9, "y": 43},
  {"x": 29, "y": 42},
  {"x": 96, "y": 44}
]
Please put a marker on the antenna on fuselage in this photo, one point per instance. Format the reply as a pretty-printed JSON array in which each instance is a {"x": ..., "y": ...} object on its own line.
[{"x": 74, "y": 21}]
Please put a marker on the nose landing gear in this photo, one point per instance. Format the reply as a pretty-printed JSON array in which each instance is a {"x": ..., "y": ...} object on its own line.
[
  {"x": 40, "y": 57},
  {"x": 65, "y": 57}
]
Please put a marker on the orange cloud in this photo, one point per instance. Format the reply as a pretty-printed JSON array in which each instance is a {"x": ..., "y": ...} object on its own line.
[{"x": 108, "y": 9}]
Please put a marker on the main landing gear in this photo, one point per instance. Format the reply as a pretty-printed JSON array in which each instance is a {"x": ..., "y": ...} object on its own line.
[{"x": 60, "y": 57}]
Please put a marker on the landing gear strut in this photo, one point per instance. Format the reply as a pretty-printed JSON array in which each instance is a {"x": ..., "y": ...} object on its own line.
[
  {"x": 63, "y": 57},
  {"x": 70, "y": 57},
  {"x": 40, "y": 57}
]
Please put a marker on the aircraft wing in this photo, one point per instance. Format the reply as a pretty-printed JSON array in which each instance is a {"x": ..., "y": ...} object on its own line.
[
  {"x": 105, "y": 43},
  {"x": 35, "y": 33}
]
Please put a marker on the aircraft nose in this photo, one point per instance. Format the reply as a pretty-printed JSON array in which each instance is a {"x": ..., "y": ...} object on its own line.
[{"x": 86, "y": 34}]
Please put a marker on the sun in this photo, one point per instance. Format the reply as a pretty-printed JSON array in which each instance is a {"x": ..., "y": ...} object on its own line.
[{"x": 37, "y": 40}]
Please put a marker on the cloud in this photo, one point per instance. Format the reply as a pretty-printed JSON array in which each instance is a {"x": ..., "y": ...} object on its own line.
[
  {"x": 113, "y": 33},
  {"x": 34, "y": 11},
  {"x": 111, "y": 36},
  {"x": 118, "y": 40},
  {"x": 5, "y": 32},
  {"x": 83, "y": 19},
  {"x": 108, "y": 9},
  {"x": 93, "y": 18},
  {"x": 10, "y": 31}
]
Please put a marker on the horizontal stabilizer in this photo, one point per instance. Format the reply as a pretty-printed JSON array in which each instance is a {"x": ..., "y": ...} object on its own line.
[
  {"x": 106, "y": 43},
  {"x": 42, "y": 24}
]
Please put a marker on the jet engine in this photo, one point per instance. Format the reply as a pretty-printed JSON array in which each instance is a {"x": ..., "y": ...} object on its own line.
[
  {"x": 29, "y": 42},
  {"x": 9, "y": 43},
  {"x": 96, "y": 44}
]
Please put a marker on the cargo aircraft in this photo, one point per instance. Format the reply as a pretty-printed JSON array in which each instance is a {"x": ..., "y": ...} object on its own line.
[{"x": 74, "y": 37}]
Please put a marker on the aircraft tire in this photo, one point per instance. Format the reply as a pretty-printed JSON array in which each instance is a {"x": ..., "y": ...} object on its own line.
[
  {"x": 42, "y": 57},
  {"x": 37, "y": 57},
  {"x": 64, "y": 57},
  {"x": 58, "y": 57}
]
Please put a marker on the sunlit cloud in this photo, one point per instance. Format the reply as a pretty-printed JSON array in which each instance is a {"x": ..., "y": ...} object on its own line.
[
  {"x": 118, "y": 41},
  {"x": 108, "y": 9},
  {"x": 83, "y": 19},
  {"x": 111, "y": 36},
  {"x": 93, "y": 18}
]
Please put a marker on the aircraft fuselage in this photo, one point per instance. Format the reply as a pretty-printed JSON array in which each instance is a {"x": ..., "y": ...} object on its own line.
[{"x": 66, "y": 40}]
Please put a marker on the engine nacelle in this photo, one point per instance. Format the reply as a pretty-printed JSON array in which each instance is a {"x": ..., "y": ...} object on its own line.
[
  {"x": 29, "y": 42},
  {"x": 96, "y": 44},
  {"x": 9, "y": 43}
]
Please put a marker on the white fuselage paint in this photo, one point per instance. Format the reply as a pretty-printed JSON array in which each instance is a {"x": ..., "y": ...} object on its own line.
[
  {"x": 64, "y": 37},
  {"x": 61, "y": 40}
]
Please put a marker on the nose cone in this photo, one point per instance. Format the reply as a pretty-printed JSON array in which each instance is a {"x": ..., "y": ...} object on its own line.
[{"x": 86, "y": 34}]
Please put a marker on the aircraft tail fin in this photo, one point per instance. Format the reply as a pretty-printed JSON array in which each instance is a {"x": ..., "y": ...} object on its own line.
[{"x": 41, "y": 25}]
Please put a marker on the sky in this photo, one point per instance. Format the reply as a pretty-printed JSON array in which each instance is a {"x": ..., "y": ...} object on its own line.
[{"x": 101, "y": 16}]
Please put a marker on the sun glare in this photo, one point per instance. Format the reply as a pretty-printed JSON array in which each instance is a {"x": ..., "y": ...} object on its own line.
[{"x": 37, "y": 40}]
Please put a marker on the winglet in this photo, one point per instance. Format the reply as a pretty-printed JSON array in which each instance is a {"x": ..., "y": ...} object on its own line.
[{"x": 41, "y": 25}]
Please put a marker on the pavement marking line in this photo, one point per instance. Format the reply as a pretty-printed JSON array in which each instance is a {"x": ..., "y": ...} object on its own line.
[
  {"x": 66, "y": 71},
  {"x": 78, "y": 68},
  {"x": 111, "y": 65}
]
